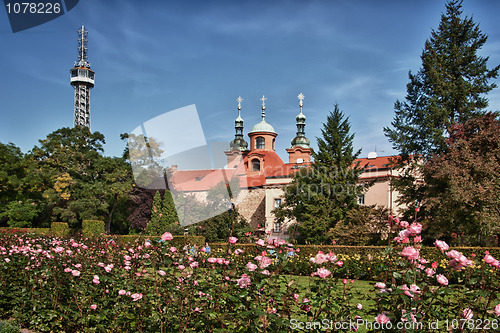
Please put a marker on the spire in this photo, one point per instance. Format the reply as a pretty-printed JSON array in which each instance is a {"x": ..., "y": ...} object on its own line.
[
  {"x": 263, "y": 99},
  {"x": 301, "y": 140},
  {"x": 238, "y": 142},
  {"x": 263, "y": 126}
]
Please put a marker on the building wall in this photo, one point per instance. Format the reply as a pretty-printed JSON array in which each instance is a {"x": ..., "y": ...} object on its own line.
[{"x": 252, "y": 206}]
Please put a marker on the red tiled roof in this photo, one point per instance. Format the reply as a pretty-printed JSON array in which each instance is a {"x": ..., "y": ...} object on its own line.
[
  {"x": 378, "y": 162},
  {"x": 203, "y": 180}
]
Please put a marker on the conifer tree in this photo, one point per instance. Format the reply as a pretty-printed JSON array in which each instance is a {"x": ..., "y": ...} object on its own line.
[
  {"x": 156, "y": 215},
  {"x": 169, "y": 214},
  {"x": 449, "y": 88},
  {"x": 322, "y": 194}
]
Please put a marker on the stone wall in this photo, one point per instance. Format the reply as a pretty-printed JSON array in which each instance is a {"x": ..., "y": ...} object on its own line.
[{"x": 251, "y": 205}]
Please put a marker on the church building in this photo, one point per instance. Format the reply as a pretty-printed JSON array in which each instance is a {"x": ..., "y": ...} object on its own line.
[{"x": 263, "y": 175}]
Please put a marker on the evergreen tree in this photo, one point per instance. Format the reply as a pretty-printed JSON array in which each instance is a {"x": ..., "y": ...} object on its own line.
[
  {"x": 169, "y": 213},
  {"x": 163, "y": 215},
  {"x": 448, "y": 89},
  {"x": 156, "y": 215},
  {"x": 322, "y": 194}
]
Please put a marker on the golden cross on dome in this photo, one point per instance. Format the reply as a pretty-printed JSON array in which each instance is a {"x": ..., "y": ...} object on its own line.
[
  {"x": 301, "y": 98},
  {"x": 239, "y": 100},
  {"x": 263, "y": 99}
]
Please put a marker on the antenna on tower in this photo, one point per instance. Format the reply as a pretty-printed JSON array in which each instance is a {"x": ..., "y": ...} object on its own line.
[{"x": 82, "y": 48}]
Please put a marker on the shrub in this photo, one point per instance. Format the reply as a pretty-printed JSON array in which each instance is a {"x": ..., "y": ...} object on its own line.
[
  {"x": 6, "y": 327},
  {"x": 59, "y": 229},
  {"x": 92, "y": 228}
]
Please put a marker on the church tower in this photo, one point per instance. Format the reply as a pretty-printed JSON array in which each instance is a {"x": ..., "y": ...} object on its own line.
[
  {"x": 238, "y": 146},
  {"x": 300, "y": 151}
]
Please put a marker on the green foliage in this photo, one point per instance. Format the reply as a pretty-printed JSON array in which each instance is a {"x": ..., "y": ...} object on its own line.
[
  {"x": 178, "y": 241},
  {"x": 19, "y": 214},
  {"x": 321, "y": 194},
  {"x": 163, "y": 215},
  {"x": 363, "y": 225},
  {"x": 469, "y": 174},
  {"x": 91, "y": 228},
  {"x": 449, "y": 88},
  {"x": 59, "y": 229},
  {"x": 75, "y": 181},
  {"x": 7, "y": 327}
]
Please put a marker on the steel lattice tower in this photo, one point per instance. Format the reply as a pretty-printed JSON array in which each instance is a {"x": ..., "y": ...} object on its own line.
[{"x": 82, "y": 78}]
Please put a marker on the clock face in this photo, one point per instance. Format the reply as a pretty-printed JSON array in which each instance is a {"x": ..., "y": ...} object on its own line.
[{"x": 300, "y": 160}]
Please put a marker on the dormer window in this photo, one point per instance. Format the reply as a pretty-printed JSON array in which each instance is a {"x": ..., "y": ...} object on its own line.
[
  {"x": 260, "y": 143},
  {"x": 255, "y": 165}
]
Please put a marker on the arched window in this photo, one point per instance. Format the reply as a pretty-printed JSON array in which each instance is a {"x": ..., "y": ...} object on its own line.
[
  {"x": 255, "y": 165},
  {"x": 260, "y": 143}
]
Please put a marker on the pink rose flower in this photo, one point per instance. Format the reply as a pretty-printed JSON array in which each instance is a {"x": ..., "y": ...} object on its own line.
[
  {"x": 251, "y": 267},
  {"x": 75, "y": 272},
  {"x": 380, "y": 285},
  {"x": 323, "y": 272},
  {"x": 410, "y": 253},
  {"x": 441, "y": 245},
  {"x": 173, "y": 249},
  {"x": 467, "y": 314},
  {"x": 162, "y": 273},
  {"x": 260, "y": 242},
  {"x": 497, "y": 309},
  {"x": 167, "y": 236},
  {"x": 382, "y": 319},
  {"x": 93, "y": 306},
  {"x": 136, "y": 297},
  {"x": 121, "y": 292},
  {"x": 491, "y": 261},
  {"x": 233, "y": 240},
  {"x": 244, "y": 281},
  {"x": 442, "y": 279},
  {"x": 415, "y": 228},
  {"x": 454, "y": 254}
]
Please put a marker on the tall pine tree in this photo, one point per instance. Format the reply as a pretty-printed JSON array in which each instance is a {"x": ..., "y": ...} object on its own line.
[
  {"x": 448, "y": 89},
  {"x": 322, "y": 194}
]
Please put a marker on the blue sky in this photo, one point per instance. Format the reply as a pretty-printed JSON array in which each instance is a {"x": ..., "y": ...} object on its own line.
[{"x": 151, "y": 57}]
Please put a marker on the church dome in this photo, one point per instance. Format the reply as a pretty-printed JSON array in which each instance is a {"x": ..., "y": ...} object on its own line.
[
  {"x": 301, "y": 141},
  {"x": 263, "y": 126}
]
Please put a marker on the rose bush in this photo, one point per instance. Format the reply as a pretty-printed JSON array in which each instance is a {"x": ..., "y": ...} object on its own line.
[
  {"x": 90, "y": 285},
  {"x": 459, "y": 292},
  {"x": 67, "y": 285}
]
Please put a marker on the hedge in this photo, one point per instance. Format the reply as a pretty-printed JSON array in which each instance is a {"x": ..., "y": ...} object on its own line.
[
  {"x": 177, "y": 241},
  {"x": 92, "y": 228},
  {"x": 59, "y": 229}
]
